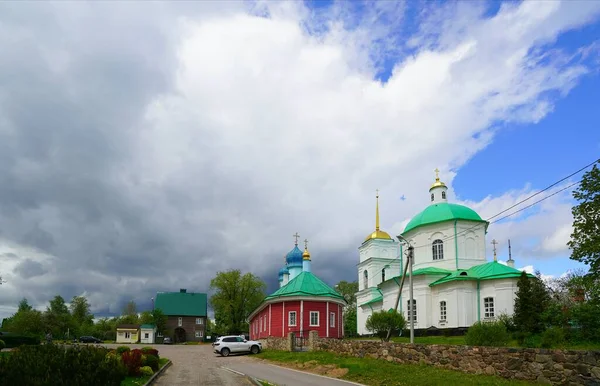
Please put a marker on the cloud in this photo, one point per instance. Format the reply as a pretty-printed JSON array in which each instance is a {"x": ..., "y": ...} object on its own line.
[{"x": 145, "y": 149}]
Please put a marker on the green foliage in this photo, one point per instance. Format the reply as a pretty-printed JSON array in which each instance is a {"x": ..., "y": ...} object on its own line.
[
  {"x": 553, "y": 337},
  {"x": 235, "y": 297},
  {"x": 57, "y": 318},
  {"x": 350, "y": 323},
  {"x": 585, "y": 239},
  {"x": 531, "y": 301},
  {"x": 150, "y": 351},
  {"x": 508, "y": 322},
  {"x": 159, "y": 319},
  {"x": 122, "y": 349},
  {"x": 348, "y": 290},
  {"x": 25, "y": 321},
  {"x": 132, "y": 360},
  {"x": 60, "y": 366},
  {"x": 80, "y": 311},
  {"x": 2, "y": 344},
  {"x": 586, "y": 317},
  {"x": 146, "y": 371},
  {"x": 16, "y": 340},
  {"x": 487, "y": 334},
  {"x": 381, "y": 322},
  {"x": 151, "y": 361}
]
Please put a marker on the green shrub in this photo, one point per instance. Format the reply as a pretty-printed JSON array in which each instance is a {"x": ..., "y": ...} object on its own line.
[
  {"x": 151, "y": 351},
  {"x": 2, "y": 344},
  {"x": 15, "y": 340},
  {"x": 146, "y": 371},
  {"x": 487, "y": 334},
  {"x": 61, "y": 366},
  {"x": 531, "y": 341},
  {"x": 122, "y": 349},
  {"x": 553, "y": 337},
  {"x": 151, "y": 361},
  {"x": 508, "y": 322},
  {"x": 381, "y": 322}
]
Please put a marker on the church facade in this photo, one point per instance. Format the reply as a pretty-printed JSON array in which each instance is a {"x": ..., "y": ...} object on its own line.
[
  {"x": 302, "y": 303},
  {"x": 454, "y": 284}
]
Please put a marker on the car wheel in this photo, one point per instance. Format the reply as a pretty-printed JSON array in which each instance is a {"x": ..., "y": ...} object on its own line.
[
  {"x": 254, "y": 349},
  {"x": 225, "y": 352}
]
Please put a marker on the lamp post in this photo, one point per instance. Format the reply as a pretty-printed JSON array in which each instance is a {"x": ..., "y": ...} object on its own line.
[{"x": 409, "y": 264}]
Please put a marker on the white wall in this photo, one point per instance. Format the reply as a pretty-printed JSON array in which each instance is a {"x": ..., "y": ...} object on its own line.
[{"x": 150, "y": 333}]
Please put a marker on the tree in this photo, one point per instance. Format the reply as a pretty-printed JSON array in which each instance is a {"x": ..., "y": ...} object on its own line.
[
  {"x": 80, "y": 311},
  {"x": 381, "y": 322},
  {"x": 25, "y": 321},
  {"x": 235, "y": 296},
  {"x": 348, "y": 290},
  {"x": 130, "y": 314},
  {"x": 350, "y": 323},
  {"x": 530, "y": 303},
  {"x": 57, "y": 318},
  {"x": 24, "y": 305},
  {"x": 585, "y": 239},
  {"x": 146, "y": 317}
]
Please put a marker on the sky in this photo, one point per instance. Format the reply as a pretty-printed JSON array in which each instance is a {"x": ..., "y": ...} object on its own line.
[{"x": 145, "y": 147}]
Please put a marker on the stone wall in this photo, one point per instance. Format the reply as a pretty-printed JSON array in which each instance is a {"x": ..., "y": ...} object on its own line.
[
  {"x": 546, "y": 366},
  {"x": 275, "y": 343}
]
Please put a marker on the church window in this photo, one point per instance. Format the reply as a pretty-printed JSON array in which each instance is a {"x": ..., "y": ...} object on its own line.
[
  {"x": 383, "y": 275},
  {"x": 438, "y": 249},
  {"x": 431, "y": 196},
  {"x": 314, "y": 318},
  {"x": 366, "y": 279},
  {"x": 292, "y": 318},
  {"x": 444, "y": 195},
  {"x": 488, "y": 305},
  {"x": 443, "y": 311},
  {"x": 412, "y": 311},
  {"x": 332, "y": 319}
]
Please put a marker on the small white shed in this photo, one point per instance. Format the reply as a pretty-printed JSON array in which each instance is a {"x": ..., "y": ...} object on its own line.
[{"x": 147, "y": 333}]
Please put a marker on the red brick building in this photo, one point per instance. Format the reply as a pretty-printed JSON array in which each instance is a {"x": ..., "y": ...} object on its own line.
[{"x": 303, "y": 303}]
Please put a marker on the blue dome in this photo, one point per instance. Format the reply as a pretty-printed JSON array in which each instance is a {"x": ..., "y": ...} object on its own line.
[
  {"x": 283, "y": 271},
  {"x": 294, "y": 257}
]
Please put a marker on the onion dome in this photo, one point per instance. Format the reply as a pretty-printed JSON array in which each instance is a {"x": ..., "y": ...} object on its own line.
[
  {"x": 283, "y": 271},
  {"x": 306, "y": 253},
  {"x": 437, "y": 183},
  {"x": 294, "y": 257}
]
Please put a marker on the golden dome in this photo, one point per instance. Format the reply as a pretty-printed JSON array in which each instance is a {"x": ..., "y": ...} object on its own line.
[
  {"x": 306, "y": 254},
  {"x": 437, "y": 182},
  {"x": 378, "y": 235}
]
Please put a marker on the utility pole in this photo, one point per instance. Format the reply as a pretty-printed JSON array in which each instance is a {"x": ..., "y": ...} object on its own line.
[
  {"x": 410, "y": 285},
  {"x": 409, "y": 268}
]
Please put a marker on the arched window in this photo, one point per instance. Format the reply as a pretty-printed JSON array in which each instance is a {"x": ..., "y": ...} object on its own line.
[
  {"x": 438, "y": 249},
  {"x": 412, "y": 310},
  {"x": 366, "y": 278},
  {"x": 444, "y": 195},
  {"x": 383, "y": 275},
  {"x": 431, "y": 196}
]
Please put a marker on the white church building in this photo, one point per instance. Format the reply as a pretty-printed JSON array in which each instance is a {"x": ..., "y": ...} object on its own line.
[{"x": 453, "y": 283}]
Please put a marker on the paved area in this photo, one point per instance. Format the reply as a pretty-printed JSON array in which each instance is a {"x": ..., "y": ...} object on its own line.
[{"x": 198, "y": 365}]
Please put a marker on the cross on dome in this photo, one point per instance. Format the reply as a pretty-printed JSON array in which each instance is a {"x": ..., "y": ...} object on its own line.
[{"x": 296, "y": 236}]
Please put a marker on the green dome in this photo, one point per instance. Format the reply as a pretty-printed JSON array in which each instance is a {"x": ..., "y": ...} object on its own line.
[{"x": 442, "y": 212}]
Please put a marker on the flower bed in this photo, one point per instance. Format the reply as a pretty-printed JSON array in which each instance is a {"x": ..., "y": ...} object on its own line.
[{"x": 79, "y": 365}]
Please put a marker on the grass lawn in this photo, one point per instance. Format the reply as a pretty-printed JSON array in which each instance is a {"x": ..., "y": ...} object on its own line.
[
  {"x": 138, "y": 381},
  {"x": 378, "y": 372}
]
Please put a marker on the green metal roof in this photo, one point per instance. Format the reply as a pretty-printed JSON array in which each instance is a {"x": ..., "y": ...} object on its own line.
[
  {"x": 488, "y": 271},
  {"x": 305, "y": 284},
  {"x": 181, "y": 303},
  {"x": 442, "y": 212},
  {"x": 148, "y": 326},
  {"x": 431, "y": 271},
  {"x": 376, "y": 300}
]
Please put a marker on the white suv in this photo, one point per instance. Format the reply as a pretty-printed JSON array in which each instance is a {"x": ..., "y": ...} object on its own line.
[{"x": 226, "y": 345}]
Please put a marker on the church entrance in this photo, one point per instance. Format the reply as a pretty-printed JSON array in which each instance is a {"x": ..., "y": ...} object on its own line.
[
  {"x": 179, "y": 335},
  {"x": 300, "y": 341}
]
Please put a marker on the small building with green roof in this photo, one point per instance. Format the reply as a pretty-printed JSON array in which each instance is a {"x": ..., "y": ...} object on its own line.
[
  {"x": 455, "y": 284},
  {"x": 186, "y": 314},
  {"x": 305, "y": 303}
]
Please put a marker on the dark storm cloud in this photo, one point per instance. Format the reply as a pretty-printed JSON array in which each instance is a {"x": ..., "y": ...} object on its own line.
[{"x": 29, "y": 268}]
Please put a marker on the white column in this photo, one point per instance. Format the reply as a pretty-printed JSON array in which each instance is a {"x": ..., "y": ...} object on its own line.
[
  {"x": 301, "y": 317},
  {"x": 269, "y": 320},
  {"x": 327, "y": 319}
]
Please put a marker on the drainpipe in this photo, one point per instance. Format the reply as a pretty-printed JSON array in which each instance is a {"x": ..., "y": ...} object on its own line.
[
  {"x": 455, "y": 245},
  {"x": 478, "y": 303}
]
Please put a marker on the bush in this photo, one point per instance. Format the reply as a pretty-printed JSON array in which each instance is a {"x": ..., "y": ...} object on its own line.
[
  {"x": 508, "y": 322},
  {"x": 487, "y": 334},
  {"x": 531, "y": 341},
  {"x": 381, "y": 322},
  {"x": 61, "y": 366},
  {"x": 122, "y": 349},
  {"x": 14, "y": 340},
  {"x": 2, "y": 344},
  {"x": 553, "y": 337},
  {"x": 150, "y": 351},
  {"x": 146, "y": 371},
  {"x": 151, "y": 361},
  {"x": 132, "y": 360}
]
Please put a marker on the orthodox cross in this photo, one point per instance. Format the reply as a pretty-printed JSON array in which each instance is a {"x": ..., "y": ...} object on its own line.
[
  {"x": 377, "y": 193},
  {"x": 437, "y": 173},
  {"x": 296, "y": 237},
  {"x": 306, "y": 244},
  {"x": 494, "y": 243}
]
